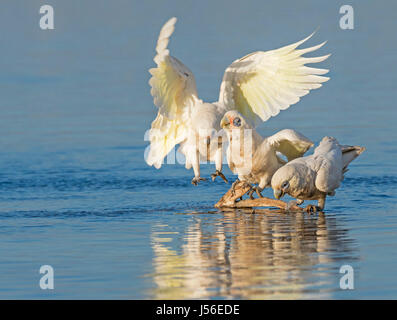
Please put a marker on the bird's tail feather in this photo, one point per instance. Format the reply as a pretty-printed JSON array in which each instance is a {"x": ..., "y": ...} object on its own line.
[{"x": 349, "y": 153}]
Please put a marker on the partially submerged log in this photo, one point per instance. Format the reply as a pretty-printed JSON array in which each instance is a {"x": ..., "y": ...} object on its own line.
[{"x": 230, "y": 199}]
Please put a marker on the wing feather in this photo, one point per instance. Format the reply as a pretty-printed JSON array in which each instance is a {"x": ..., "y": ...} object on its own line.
[
  {"x": 329, "y": 176},
  {"x": 290, "y": 143},
  {"x": 174, "y": 92},
  {"x": 261, "y": 84},
  {"x": 163, "y": 136}
]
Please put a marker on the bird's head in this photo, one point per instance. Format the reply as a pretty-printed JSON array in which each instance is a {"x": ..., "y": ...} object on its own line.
[
  {"x": 284, "y": 180},
  {"x": 327, "y": 144},
  {"x": 234, "y": 120},
  {"x": 329, "y": 141}
]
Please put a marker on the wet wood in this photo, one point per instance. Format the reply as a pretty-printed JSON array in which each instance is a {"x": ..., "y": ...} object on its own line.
[{"x": 231, "y": 200}]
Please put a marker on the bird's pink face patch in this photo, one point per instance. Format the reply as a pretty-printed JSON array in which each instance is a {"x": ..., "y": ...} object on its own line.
[{"x": 230, "y": 121}]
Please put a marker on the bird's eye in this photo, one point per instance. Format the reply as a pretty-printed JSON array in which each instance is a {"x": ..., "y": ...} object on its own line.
[
  {"x": 285, "y": 184},
  {"x": 237, "y": 122}
]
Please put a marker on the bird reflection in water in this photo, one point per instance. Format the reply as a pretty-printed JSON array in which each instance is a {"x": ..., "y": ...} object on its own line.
[{"x": 236, "y": 254}]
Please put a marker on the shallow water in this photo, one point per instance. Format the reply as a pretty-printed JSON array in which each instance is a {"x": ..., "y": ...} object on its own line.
[{"x": 76, "y": 194}]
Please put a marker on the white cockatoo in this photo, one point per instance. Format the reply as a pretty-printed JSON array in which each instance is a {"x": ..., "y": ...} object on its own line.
[
  {"x": 254, "y": 158},
  {"x": 316, "y": 176},
  {"x": 258, "y": 85}
]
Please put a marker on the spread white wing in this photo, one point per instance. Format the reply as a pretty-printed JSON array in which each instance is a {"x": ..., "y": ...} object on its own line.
[
  {"x": 290, "y": 143},
  {"x": 261, "y": 84},
  {"x": 174, "y": 93}
]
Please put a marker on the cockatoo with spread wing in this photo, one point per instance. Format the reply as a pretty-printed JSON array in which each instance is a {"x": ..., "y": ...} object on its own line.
[
  {"x": 255, "y": 158},
  {"x": 258, "y": 85},
  {"x": 316, "y": 176}
]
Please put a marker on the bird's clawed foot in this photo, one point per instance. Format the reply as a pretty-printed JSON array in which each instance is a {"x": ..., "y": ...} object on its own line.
[
  {"x": 220, "y": 174},
  {"x": 257, "y": 190},
  {"x": 196, "y": 180},
  {"x": 291, "y": 204},
  {"x": 312, "y": 209}
]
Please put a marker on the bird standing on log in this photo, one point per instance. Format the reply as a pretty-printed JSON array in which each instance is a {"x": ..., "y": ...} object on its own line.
[
  {"x": 316, "y": 176},
  {"x": 255, "y": 158}
]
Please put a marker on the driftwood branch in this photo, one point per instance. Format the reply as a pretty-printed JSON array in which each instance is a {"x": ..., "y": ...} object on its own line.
[{"x": 230, "y": 199}]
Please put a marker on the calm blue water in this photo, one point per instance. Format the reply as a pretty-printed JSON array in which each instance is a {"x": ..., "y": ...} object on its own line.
[{"x": 75, "y": 192}]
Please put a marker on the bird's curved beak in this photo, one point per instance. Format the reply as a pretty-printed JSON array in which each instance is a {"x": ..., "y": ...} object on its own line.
[
  {"x": 278, "y": 193},
  {"x": 225, "y": 123}
]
